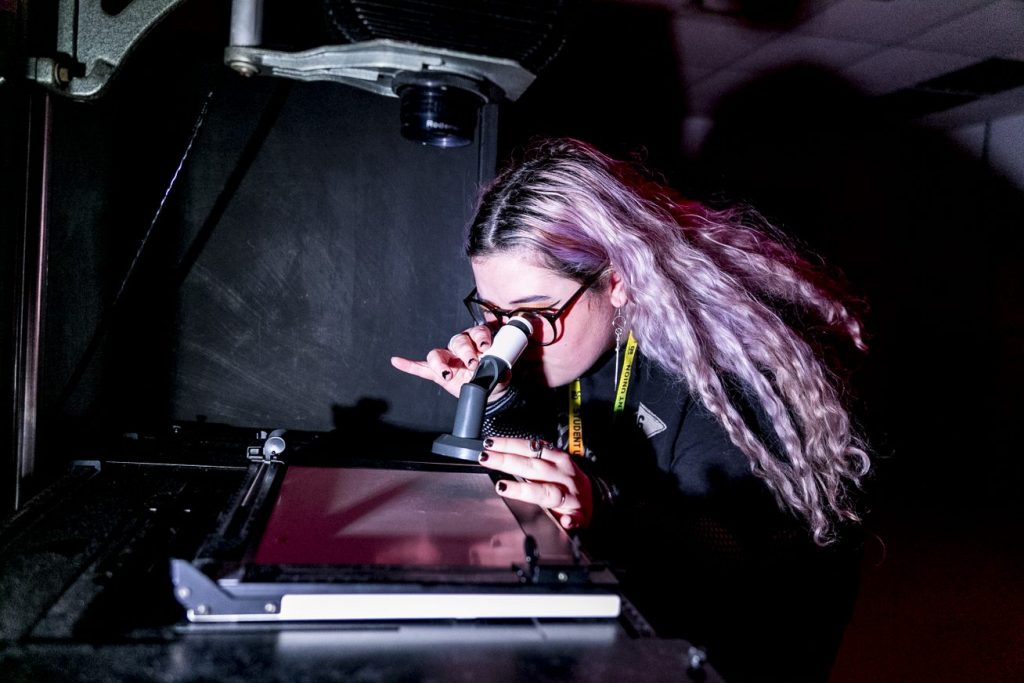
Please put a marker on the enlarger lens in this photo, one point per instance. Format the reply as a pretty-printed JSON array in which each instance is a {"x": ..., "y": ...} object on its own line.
[{"x": 438, "y": 115}]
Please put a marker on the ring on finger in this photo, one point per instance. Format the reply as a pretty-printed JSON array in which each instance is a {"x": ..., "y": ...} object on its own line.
[{"x": 537, "y": 448}]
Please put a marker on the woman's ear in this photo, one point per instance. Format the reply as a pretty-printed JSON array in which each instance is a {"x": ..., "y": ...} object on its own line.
[{"x": 616, "y": 290}]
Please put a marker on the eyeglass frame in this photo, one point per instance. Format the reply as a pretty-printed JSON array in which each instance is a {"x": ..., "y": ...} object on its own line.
[{"x": 552, "y": 317}]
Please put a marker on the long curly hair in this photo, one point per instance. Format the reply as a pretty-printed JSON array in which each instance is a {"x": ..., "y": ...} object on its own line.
[{"x": 710, "y": 292}]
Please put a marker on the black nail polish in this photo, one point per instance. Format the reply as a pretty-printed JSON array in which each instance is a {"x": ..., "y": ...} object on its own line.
[
  {"x": 483, "y": 457},
  {"x": 484, "y": 345},
  {"x": 488, "y": 442},
  {"x": 471, "y": 363},
  {"x": 446, "y": 374},
  {"x": 502, "y": 486}
]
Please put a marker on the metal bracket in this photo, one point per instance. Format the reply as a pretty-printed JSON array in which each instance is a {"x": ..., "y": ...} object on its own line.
[
  {"x": 374, "y": 64},
  {"x": 205, "y": 600},
  {"x": 92, "y": 44},
  {"x": 267, "y": 447}
]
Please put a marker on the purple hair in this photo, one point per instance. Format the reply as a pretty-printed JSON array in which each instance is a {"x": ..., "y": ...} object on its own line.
[{"x": 706, "y": 288}]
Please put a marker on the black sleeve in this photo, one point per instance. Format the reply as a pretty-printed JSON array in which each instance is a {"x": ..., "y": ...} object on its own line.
[
  {"x": 694, "y": 479},
  {"x": 710, "y": 555},
  {"x": 733, "y": 511}
]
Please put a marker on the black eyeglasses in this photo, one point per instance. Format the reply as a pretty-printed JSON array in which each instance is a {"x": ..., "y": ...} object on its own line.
[{"x": 546, "y": 323}]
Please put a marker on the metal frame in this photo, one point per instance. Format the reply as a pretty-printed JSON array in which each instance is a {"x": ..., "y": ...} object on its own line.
[
  {"x": 223, "y": 584},
  {"x": 30, "y": 292},
  {"x": 92, "y": 45},
  {"x": 374, "y": 65}
]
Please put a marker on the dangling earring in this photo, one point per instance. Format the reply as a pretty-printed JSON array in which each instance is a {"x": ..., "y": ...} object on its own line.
[{"x": 619, "y": 325}]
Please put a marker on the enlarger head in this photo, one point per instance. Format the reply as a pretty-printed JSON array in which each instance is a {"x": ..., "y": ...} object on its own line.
[{"x": 508, "y": 344}]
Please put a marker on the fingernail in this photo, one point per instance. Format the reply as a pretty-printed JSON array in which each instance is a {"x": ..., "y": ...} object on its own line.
[
  {"x": 471, "y": 363},
  {"x": 446, "y": 374},
  {"x": 488, "y": 443},
  {"x": 484, "y": 345},
  {"x": 483, "y": 457},
  {"x": 502, "y": 486}
]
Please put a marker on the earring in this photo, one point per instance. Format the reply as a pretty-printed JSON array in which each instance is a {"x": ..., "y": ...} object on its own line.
[{"x": 619, "y": 326}]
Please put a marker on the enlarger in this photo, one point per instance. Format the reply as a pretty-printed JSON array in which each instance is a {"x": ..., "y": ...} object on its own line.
[{"x": 208, "y": 551}]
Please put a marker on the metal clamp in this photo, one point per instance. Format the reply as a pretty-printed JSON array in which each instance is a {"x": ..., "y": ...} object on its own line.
[{"x": 267, "y": 446}]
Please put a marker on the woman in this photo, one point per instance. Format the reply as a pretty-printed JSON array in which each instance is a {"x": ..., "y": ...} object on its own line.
[{"x": 682, "y": 415}]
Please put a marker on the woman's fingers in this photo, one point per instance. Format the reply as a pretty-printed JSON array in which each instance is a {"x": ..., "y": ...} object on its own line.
[
  {"x": 481, "y": 336},
  {"x": 413, "y": 367},
  {"x": 444, "y": 364},
  {"x": 543, "y": 493},
  {"x": 455, "y": 365},
  {"x": 527, "y": 468},
  {"x": 549, "y": 478},
  {"x": 440, "y": 367},
  {"x": 540, "y": 454},
  {"x": 436, "y": 367},
  {"x": 568, "y": 508},
  {"x": 462, "y": 346},
  {"x": 470, "y": 344}
]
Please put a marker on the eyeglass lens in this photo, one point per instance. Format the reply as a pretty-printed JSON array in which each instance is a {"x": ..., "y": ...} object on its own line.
[{"x": 544, "y": 329}]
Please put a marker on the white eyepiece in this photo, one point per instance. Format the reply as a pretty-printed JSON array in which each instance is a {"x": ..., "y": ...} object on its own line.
[{"x": 511, "y": 340}]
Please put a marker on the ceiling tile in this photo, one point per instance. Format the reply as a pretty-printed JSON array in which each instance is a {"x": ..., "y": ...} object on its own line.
[
  {"x": 895, "y": 68},
  {"x": 884, "y": 23},
  {"x": 714, "y": 42},
  {"x": 794, "y": 48},
  {"x": 991, "y": 31},
  {"x": 997, "y": 106}
]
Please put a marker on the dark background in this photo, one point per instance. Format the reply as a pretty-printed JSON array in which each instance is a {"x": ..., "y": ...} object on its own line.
[
  {"x": 340, "y": 246},
  {"x": 303, "y": 244},
  {"x": 929, "y": 237}
]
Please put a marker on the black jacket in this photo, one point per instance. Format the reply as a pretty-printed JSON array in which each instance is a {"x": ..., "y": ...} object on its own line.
[{"x": 700, "y": 544}]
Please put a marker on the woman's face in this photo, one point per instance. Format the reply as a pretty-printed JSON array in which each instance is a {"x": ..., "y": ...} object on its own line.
[{"x": 514, "y": 280}]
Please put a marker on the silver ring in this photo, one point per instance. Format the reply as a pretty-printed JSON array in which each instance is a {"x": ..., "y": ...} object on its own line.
[
  {"x": 561, "y": 502},
  {"x": 537, "y": 447}
]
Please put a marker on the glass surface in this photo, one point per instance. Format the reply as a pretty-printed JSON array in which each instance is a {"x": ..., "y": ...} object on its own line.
[{"x": 390, "y": 517}]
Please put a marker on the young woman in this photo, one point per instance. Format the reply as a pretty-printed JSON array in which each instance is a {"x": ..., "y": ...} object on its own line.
[{"x": 667, "y": 407}]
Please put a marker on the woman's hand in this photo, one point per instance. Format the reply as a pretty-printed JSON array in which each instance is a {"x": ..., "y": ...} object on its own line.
[
  {"x": 452, "y": 367},
  {"x": 551, "y": 478}
]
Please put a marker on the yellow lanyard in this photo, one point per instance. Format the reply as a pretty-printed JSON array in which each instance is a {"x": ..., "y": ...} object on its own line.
[{"x": 576, "y": 399}]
